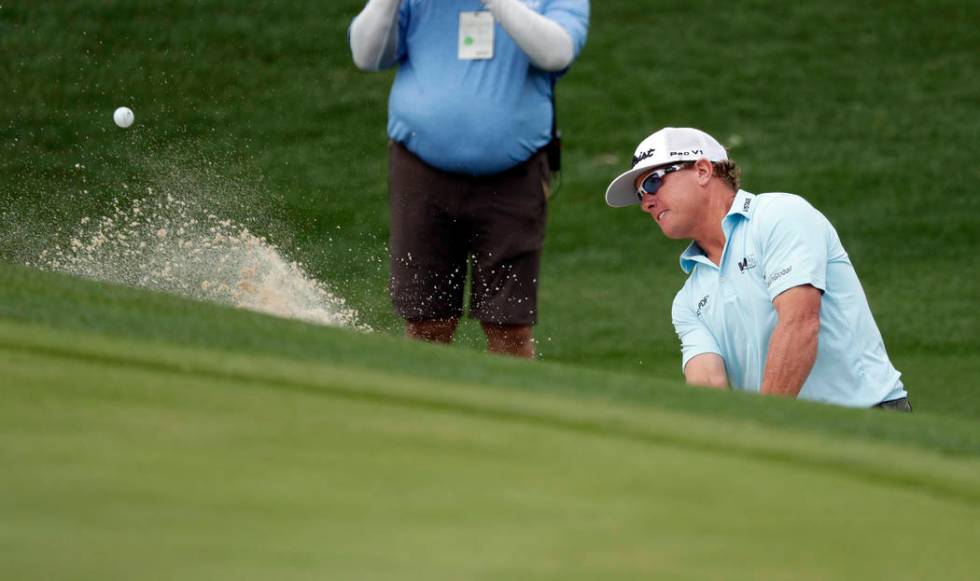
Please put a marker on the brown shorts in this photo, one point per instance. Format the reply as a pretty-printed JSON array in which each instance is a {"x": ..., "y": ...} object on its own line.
[{"x": 444, "y": 225}]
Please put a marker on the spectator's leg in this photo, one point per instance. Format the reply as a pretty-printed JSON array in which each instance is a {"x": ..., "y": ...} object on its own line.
[
  {"x": 507, "y": 225},
  {"x": 516, "y": 340},
  {"x": 427, "y": 246},
  {"x": 436, "y": 331}
]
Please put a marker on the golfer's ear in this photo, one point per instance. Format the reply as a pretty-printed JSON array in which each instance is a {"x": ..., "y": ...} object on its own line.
[{"x": 704, "y": 171}]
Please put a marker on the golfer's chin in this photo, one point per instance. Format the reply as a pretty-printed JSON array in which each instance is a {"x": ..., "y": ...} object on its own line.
[{"x": 668, "y": 231}]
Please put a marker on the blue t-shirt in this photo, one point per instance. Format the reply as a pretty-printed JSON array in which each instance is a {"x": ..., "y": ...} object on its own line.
[
  {"x": 476, "y": 117},
  {"x": 775, "y": 242}
]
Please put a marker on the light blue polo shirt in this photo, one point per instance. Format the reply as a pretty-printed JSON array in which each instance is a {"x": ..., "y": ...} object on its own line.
[
  {"x": 476, "y": 117},
  {"x": 775, "y": 242}
]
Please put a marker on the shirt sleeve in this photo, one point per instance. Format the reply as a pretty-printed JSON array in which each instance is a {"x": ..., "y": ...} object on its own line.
[
  {"x": 573, "y": 16},
  {"x": 376, "y": 35},
  {"x": 695, "y": 337},
  {"x": 546, "y": 43},
  {"x": 792, "y": 237}
]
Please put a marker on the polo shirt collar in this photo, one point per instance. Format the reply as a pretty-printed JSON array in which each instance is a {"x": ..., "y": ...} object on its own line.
[
  {"x": 743, "y": 205},
  {"x": 692, "y": 255}
]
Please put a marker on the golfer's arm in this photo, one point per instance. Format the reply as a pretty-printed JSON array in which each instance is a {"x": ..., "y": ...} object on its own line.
[
  {"x": 793, "y": 345},
  {"x": 706, "y": 370},
  {"x": 374, "y": 35},
  {"x": 546, "y": 43}
]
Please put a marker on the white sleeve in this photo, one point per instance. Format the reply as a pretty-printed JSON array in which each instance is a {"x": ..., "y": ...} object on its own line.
[
  {"x": 373, "y": 35},
  {"x": 546, "y": 43}
]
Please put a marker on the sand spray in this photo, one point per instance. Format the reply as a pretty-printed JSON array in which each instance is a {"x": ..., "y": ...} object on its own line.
[{"x": 176, "y": 236}]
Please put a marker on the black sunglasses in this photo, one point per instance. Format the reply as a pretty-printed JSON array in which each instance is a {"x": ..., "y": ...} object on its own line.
[{"x": 655, "y": 179}]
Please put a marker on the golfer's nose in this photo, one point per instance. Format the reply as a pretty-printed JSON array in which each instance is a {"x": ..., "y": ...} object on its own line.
[{"x": 648, "y": 202}]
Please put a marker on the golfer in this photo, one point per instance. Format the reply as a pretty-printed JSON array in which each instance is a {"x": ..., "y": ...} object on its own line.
[
  {"x": 472, "y": 147},
  {"x": 772, "y": 303}
]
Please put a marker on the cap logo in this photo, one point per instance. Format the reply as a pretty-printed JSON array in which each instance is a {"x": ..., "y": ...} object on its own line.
[
  {"x": 685, "y": 153},
  {"x": 643, "y": 155}
]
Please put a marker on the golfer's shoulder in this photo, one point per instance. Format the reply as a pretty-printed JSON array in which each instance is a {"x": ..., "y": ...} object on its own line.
[
  {"x": 680, "y": 294},
  {"x": 683, "y": 298},
  {"x": 776, "y": 208},
  {"x": 776, "y": 203}
]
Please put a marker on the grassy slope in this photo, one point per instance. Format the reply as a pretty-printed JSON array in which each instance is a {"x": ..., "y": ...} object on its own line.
[
  {"x": 861, "y": 108},
  {"x": 78, "y": 306},
  {"x": 369, "y": 458}
]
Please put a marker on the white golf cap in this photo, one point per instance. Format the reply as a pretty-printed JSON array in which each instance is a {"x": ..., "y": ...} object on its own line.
[{"x": 667, "y": 146}]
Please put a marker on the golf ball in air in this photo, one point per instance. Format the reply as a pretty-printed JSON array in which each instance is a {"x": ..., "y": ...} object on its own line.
[{"x": 123, "y": 117}]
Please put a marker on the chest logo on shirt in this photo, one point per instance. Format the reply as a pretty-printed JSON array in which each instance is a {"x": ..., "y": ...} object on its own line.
[
  {"x": 702, "y": 303},
  {"x": 747, "y": 263}
]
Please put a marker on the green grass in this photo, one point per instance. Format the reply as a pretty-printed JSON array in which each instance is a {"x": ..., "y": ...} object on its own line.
[
  {"x": 150, "y": 436},
  {"x": 370, "y": 457}
]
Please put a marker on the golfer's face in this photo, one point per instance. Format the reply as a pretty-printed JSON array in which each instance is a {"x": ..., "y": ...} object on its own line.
[{"x": 666, "y": 204}]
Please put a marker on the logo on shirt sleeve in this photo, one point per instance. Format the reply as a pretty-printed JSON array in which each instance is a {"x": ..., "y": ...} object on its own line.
[
  {"x": 772, "y": 278},
  {"x": 702, "y": 303}
]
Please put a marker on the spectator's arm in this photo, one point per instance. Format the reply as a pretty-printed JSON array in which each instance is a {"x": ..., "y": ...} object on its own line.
[
  {"x": 374, "y": 35},
  {"x": 546, "y": 43}
]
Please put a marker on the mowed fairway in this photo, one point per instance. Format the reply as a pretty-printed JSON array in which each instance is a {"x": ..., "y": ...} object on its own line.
[{"x": 128, "y": 458}]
